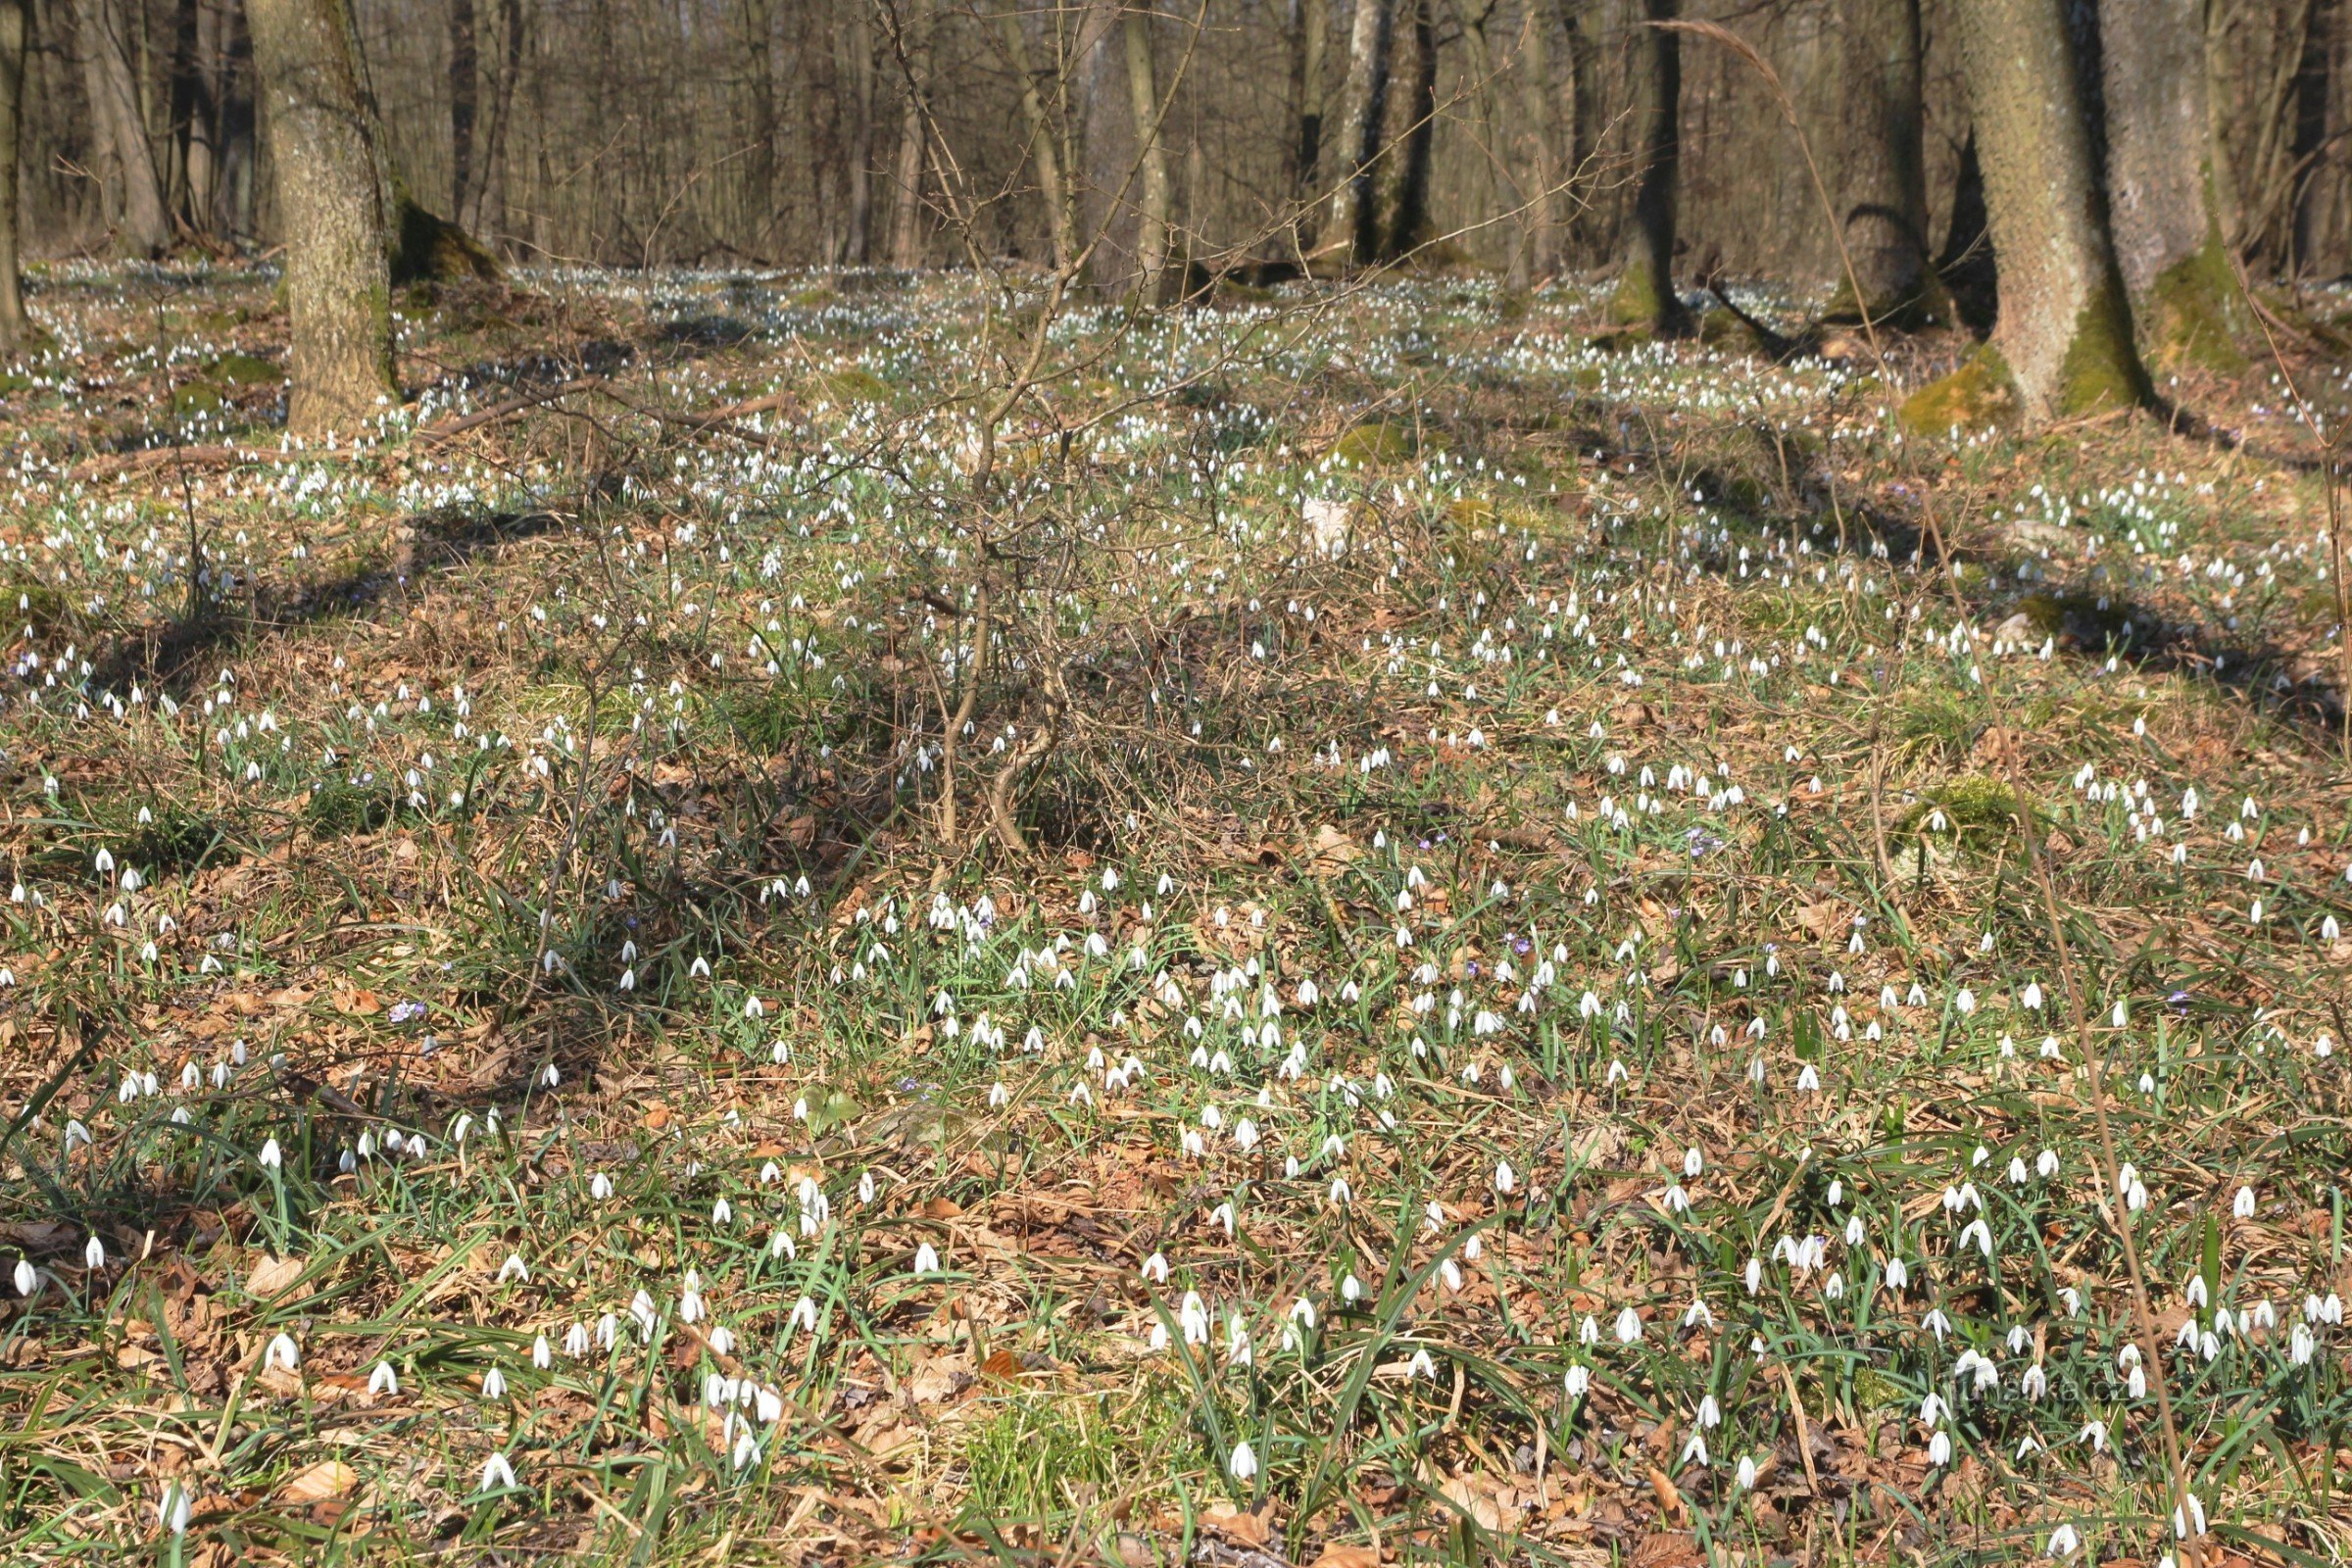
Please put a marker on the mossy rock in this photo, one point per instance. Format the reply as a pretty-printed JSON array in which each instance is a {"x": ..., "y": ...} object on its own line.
[
  {"x": 853, "y": 384},
  {"x": 427, "y": 248},
  {"x": 816, "y": 296},
  {"x": 1929, "y": 306},
  {"x": 1372, "y": 445},
  {"x": 1977, "y": 394},
  {"x": 26, "y": 600},
  {"x": 197, "y": 397},
  {"x": 247, "y": 370},
  {"x": 2090, "y": 621},
  {"x": 14, "y": 381}
]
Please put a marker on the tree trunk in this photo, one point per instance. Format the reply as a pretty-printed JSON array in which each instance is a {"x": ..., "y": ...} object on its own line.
[
  {"x": 858, "y": 245},
  {"x": 488, "y": 217},
  {"x": 1580, "y": 126},
  {"x": 2322, "y": 217},
  {"x": 15, "y": 38},
  {"x": 1308, "y": 68},
  {"x": 2063, "y": 345},
  {"x": 464, "y": 102},
  {"x": 1965, "y": 265},
  {"x": 1143, "y": 99},
  {"x": 1363, "y": 101},
  {"x": 331, "y": 206},
  {"x": 821, "y": 108},
  {"x": 1407, "y": 140},
  {"x": 1044, "y": 154},
  {"x": 907, "y": 219},
  {"x": 2167, "y": 233},
  {"x": 142, "y": 224},
  {"x": 1646, "y": 293},
  {"x": 1885, "y": 168},
  {"x": 1542, "y": 247}
]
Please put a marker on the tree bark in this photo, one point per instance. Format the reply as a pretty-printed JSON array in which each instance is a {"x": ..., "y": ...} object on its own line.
[
  {"x": 1885, "y": 167},
  {"x": 1143, "y": 99},
  {"x": 331, "y": 203},
  {"x": 2160, "y": 180},
  {"x": 1364, "y": 100},
  {"x": 1309, "y": 55},
  {"x": 2064, "y": 339},
  {"x": 2323, "y": 215},
  {"x": 1045, "y": 153},
  {"x": 1407, "y": 138},
  {"x": 15, "y": 39},
  {"x": 142, "y": 224},
  {"x": 465, "y": 99},
  {"x": 1645, "y": 294},
  {"x": 907, "y": 219},
  {"x": 858, "y": 244},
  {"x": 1543, "y": 245}
]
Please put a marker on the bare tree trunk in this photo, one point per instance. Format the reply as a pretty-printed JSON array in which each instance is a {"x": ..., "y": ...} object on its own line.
[
  {"x": 1310, "y": 47},
  {"x": 1143, "y": 99},
  {"x": 1646, "y": 286},
  {"x": 906, "y": 229},
  {"x": 822, "y": 112},
  {"x": 1884, "y": 167},
  {"x": 2064, "y": 340},
  {"x": 143, "y": 226},
  {"x": 463, "y": 103},
  {"x": 15, "y": 38},
  {"x": 1045, "y": 140},
  {"x": 331, "y": 203},
  {"x": 1363, "y": 101},
  {"x": 859, "y": 245},
  {"x": 1581, "y": 127},
  {"x": 2322, "y": 217},
  {"x": 2167, "y": 233},
  {"x": 1543, "y": 246},
  {"x": 488, "y": 217},
  {"x": 1401, "y": 186}
]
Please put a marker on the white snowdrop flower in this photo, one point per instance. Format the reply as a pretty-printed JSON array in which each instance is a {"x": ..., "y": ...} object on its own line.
[
  {"x": 600, "y": 1186},
  {"x": 1695, "y": 1450},
  {"x": 1939, "y": 1449},
  {"x": 1244, "y": 1462},
  {"x": 1745, "y": 1476},
  {"x": 383, "y": 1379},
  {"x": 2064, "y": 1542},
  {"x": 173, "y": 1511},
  {"x": 1578, "y": 1381},
  {"x": 497, "y": 1473},
  {"x": 513, "y": 1268},
  {"x": 543, "y": 1356},
  {"x": 926, "y": 1259},
  {"x": 281, "y": 1354},
  {"x": 1629, "y": 1326},
  {"x": 1504, "y": 1179},
  {"x": 575, "y": 1341},
  {"x": 494, "y": 1383},
  {"x": 1156, "y": 1268},
  {"x": 272, "y": 1156},
  {"x": 27, "y": 1279}
]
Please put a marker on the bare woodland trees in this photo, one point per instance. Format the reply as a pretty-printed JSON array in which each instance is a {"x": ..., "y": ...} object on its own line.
[
  {"x": 1169, "y": 142},
  {"x": 331, "y": 195},
  {"x": 15, "y": 35}
]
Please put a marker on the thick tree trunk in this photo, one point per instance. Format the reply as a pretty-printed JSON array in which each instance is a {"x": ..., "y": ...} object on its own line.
[
  {"x": 1646, "y": 293},
  {"x": 1579, "y": 128},
  {"x": 1885, "y": 167},
  {"x": 1363, "y": 101},
  {"x": 1543, "y": 245},
  {"x": 15, "y": 38},
  {"x": 464, "y": 100},
  {"x": 2167, "y": 232},
  {"x": 1310, "y": 45},
  {"x": 142, "y": 223},
  {"x": 1407, "y": 138},
  {"x": 2063, "y": 345},
  {"x": 487, "y": 218},
  {"x": 330, "y": 204},
  {"x": 1152, "y": 157},
  {"x": 2323, "y": 215},
  {"x": 906, "y": 216}
]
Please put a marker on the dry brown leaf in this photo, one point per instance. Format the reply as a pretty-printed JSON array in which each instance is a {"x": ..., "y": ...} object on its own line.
[
  {"x": 1246, "y": 1528},
  {"x": 1349, "y": 1557},
  {"x": 272, "y": 1276},
  {"x": 328, "y": 1478}
]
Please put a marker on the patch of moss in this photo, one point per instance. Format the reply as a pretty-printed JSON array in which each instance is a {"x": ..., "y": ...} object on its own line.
[
  {"x": 1929, "y": 304},
  {"x": 247, "y": 370},
  {"x": 853, "y": 384},
  {"x": 14, "y": 381},
  {"x": 1638, "y": 300},
  {"x": 2101, "y": 369},
  {"x": 1980, "y": 393},
  {"x": 196, "y": 397},
  {"x": 2189, "y": 313},
  {"x": 1971, "y": 809},
  {"x": 1369, "y": 446},
  {"x": 1720, "y": 328}
]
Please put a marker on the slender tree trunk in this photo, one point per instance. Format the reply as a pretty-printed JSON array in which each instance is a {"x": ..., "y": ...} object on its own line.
[
  {"x": 2322, "y": 240},
  {"x": 906, "y": 229},
  {"x": 1309, "y": 56},
  {"x": 1045, "y": 146},
  {"x": 1543, "y": 246},
  {"x": 857, "y": 247},
  {"x": 822, "y": 115},
  {"x": 1503, "y": 190},
  {"x": 1151, "y": 150},
  {"x": 330, "y": 204},
  {"x": 1363, "y": 103},
  {"x": 143, "y": 226},
  {"x": 15, "y": 39},
  {"x": 1885, "y": 167},
  {"x": 2167, "y": 232},
  {"x": 1645, "y": 292},
  {"x": 2064, "y": 339},
  {"x": 1580, "y": 129},
  {"x": 465, "y": 99},
  {"x": 487, "y": 219}
]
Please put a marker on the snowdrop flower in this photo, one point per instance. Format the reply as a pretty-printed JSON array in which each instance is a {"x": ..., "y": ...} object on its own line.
[
  {"x": 926, "y": 1259},
  {"x": 27, "y": 1279},
  {"x": 1629, "y": 1326},
  {"x": 2064, "y": 1542},
  {"x": 383, "y": 1379},
  {"x": 173, "y": 1511},
  {"x": 270, "y": 1155},
  {"x": 281, "y": 1354},
  {"x": 1244, "y": 1463},
  {"x": 513, "y": 1268},
  {"x": 494, "y": 1383},
  {"x": 575, "y": 1341},
  {"x": 497, "y": 1473}
]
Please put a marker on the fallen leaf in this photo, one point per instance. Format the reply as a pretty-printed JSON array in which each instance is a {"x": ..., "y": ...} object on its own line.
[
  {"x": 328, "y": 1478},
  {"x": 1246, "y": 1528},
  {"x": 1349, "y": 1557},
  {"x": 272, "y": 1276}
]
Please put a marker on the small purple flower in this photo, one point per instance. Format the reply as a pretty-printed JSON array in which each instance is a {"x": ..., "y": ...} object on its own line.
[{"x": 407, "y": 1011}]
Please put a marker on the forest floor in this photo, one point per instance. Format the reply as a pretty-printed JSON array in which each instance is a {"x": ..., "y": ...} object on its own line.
[{"x": 1495, "y": 991}]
